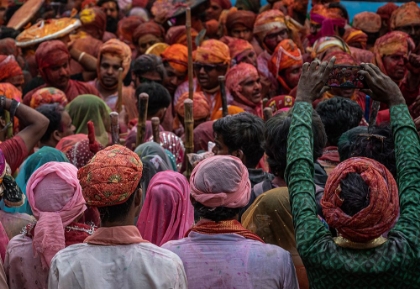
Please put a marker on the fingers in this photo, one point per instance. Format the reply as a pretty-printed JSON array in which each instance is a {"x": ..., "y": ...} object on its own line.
[
  {"x": 305, "y": 66},
  {"x": 324, "y": 89},
  {"x": 328, "y": 68}
]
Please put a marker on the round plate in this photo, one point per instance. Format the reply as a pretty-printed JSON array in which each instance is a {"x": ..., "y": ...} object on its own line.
[
  {"x": 157, "y": 48},
  {"x": 24, "y": 14}
]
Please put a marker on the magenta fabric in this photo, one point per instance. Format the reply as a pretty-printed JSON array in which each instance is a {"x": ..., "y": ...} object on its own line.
[
  {"x": 221, "y": 181},
  {"x": 167, "y": 212},
  {"x": 4, "y": 240},
  {"x": 56, "y": 199},
  {"x": 327, "y": 28}
]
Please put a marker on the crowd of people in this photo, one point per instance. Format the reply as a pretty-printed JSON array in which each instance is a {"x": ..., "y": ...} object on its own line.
[{"x": 305, "y": 157}]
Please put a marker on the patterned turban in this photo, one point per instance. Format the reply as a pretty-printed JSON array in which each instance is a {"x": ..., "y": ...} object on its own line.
[
  {"x": 212, "y": 52},
  {"x": 368, "y": 22},
  {"x": 177, "y": 57},
  {"x": 116, "y": 47},
  {"x": 236, "y": 46},
  {"x": 240, "y": 17},
  {"x": 150, "y": 27},
  {"x": 286, "y": 55},
  {"x": 235, "y": 76},
  {"x": 406, "y": 14},
  {"x": 49, "y": 52},
  {"x": 323, "y": 44},
  {"x": 355, "y": 36},
  {"x": 201, "y": 107},
  {"x": 392, "y": 43},
  {"x": 9, "y": 67},
  {"x": 280, "y": 102},
  {"x": 224, "y": 4},
  {"x": 111, "y": 176},
  {"x": 126, "y": 27},
  {"x": 48, "y": 95},
  {"x": 269, "y": 22},
  {"x": 178, "y": 34},
  {"x": 93, "y": 19},
  {"x": 383, "y": 209}
]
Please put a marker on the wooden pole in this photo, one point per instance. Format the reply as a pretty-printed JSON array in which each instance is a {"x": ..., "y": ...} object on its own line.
[
  {"x": 265, "y": 100},
  {"x": 115, "y": 129},
  {"x": 374, "y": 113},
  {"x": 9, "y": 132},
  {"x": 155, "y": 129},
  {"x": 142, "y": 102},
  {"x": 189, "y": 133},
  {"x": 268, "y": 113},
  {"x": 118, "y": 105},
  {"x": 222, "y": 82},
  {"x": 190, "y": 50}
]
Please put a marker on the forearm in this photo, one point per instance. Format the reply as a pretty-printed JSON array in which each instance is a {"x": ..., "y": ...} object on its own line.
[{"x": 87, "y": 61}]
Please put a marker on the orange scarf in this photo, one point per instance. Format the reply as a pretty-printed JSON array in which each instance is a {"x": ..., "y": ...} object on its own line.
[
  {"x": 217, "y": 101},
  {"x": 223, "y": 227}
]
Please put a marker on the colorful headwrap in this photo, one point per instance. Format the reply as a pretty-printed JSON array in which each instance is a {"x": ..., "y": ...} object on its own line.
[
  {"x": 48, "y": 95},
  {"x": 56, "y": 199},
  {"x": 224, "y": 4},
  {"x": 368, "y": 22},
  {"x": 221, "y": 181},
  {"x": 9, "y": 67},
  {"x": 323, "y": 44},
  {"x": 11, "y": 92},
  {"x": 341, "y": 58},
  {"x": 178, "y": 34},
  {"x": 177, "y": 57},
  {"x": 111, "y": 184},
  {"x": 286, "y": 55},
  {"x": 49, "y": 52},
  {"x": 240, "y": 17},
  {"x": 212, "y": 52},
  {"x": 381, "y": 213},
  {"x": 201, "y": 107},
  {"x": 406, "y": 14},
  {"x": 236, "y": 47},
  {"x": 355, "y": 36},
  {"x": 392, "y": 43},
  {"x": 126, "y": 28},
  {"x": 174, "y": 144},
  {"x": 386, "y": 11},
  {"x": 280, "y": 102},
  {"x": 235, "y": 76},
  {"x": 116, "y": 47},
  {"x": 319, "y": 14},
  {"x": 150, "y": 27},
  {"x": 269, "y": 22},
  {"x": 93, "y": 19}
]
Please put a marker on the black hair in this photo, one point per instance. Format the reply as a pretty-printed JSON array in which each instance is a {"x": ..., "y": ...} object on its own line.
[
  {"x": 215, "y": 214},
  {"x": 118, "y": 212},
  {"x": 355, "y": 193},
  {"x": 338, "y": 114},
  {"x": 346, "y": 141},
  {"x": 148, "y": 63},
  {"x": 54, "y": 113},
  {"x": 102, "y": 2},
  {"x": 159, "y": 96},
  {"x": 276, "y": 133},
  {"x": 242, "y": 131}
]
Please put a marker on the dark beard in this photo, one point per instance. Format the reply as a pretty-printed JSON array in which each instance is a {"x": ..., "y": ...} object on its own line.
[{"x": 111, "y": 24}]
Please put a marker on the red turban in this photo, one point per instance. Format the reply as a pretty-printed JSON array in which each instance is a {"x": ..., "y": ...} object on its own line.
[
  {"x": 8, "y": 47},
  {"x": 9, "y": 67},
  {"x": 407, "y": 14},
  {"x": 126, "y": 27},
  {"x": 88, "y": 4},
  {"x": 235, "y": 76},
  {"x": 224, "y": 4},
  {"x": 111, "y": 184},
  {"x": 386, "y": 11},
  {"x": 201, "y": 107},
  {"x": 240, "y": 17},
  {"x": 178, "y": 34},
  {"x": 383, "y": 209},
  {"x": 116, "y": 47},
  {"x": 177, "y": 57},
  {"x": 49, "y": 52},
  {"x": 48, "y": 95},
  {"x": 368, "y": 22},
  {"x": 212, "y": 52},
  {"x": 150, "y": 27}
]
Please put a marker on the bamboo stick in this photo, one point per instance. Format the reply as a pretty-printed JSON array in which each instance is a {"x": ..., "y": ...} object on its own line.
[
  {"x": 268, "y": 113},
  {"x": 155, "y": 129},
  {"x": 9, "y": 132},
  {"x": 222, "y": 83},
  {"x": 142, "y": 103},
  {"x": 115, "y": 129},
  {"x": 118, "y": 105},
  {"x": 190, "y": 50},
  {"x": 189, "y": 133}
]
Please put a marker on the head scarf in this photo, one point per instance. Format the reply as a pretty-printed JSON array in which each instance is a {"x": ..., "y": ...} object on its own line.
[
  {"x": 386, "y": 11},
  {"x": 49, "y": 52},
  {"x": 118, "y": 48},
  {"x": 113, "y": 184},
  {"x": 221, "y": 181},
  {"x": 236, "y": 76},
  {"x": 201, "y": 107},
  {"x": 177, "y": 57},
  {"x": 236, "y": 47},
  {"x": 355, "y": 36},
  {"x": 232, "y": 109},
  {"x": 88, "y": 107},
  {"x": 286, "y": 55},
  {"x": 126, "y": 27},
  {"x": 178, "y": 34},
  {"x": 224, "y": 4},
  {"x": 389, "y": 44},
  {"x": 212, "y": 52},
  {"x": 8, "y": 47},
  {"x": 381, "y": 213},
  {"x": 48, "y": 95},
  {"x": 150, "y": 27},
  {"x": 269, "y": 22},
  {"x": 240, "y": 17},
  {"x": 174, "y": 144},
  {"x": 9, "y": 67},
  {"x": 319, "y": 14},
  {"x": 155, "y": 153},
  {"x": 79, "y": 149},
  {"x": 167, "y": 213},
  {"x": 93, "y": 19},
  {"x": 203, "y": 133},
  {"x": 56, "y": 199},
  {"x": 407, "y": 14},
  {"x": 323, "y": 44},
  {"x": 368, "y": 22}
]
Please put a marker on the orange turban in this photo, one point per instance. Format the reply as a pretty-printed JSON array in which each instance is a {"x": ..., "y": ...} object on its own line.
[
  {"x": 240, "y": 17},
  {"x": 177, "y": 57},
  {"x": 201, "y": 107},
  {"x": 178, "y": 34},
  {"x": 236, "y": 46},
  {"x": 406, "y": 14},
  {"x": 392, "y": 43},
  {"x": 286, "y": 55},
  {"x": 268, "y": 22},
  {"x": 9, "y": 67},
  {"x": 111, "y": 184},
  {"x": 116, "y": 47},
  {"x": 11, "y": 92},
  {"x": 368, "y": 22},
  {"x": 48, "y": 95},
  {"x": 232, "y": 109},
  {"x": 355, "y": 36},
  {"x": 150, "y": 27},
  {"x": 212, "y": 52}
]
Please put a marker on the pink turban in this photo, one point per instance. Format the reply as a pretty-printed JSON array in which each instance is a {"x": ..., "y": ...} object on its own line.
[
  {"x": 237, "y": 75},
  {"x": 221, "y": 181},
  {"x": 56, "y": 199}
]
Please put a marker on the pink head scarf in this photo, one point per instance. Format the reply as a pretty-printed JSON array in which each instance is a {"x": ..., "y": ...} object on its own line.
[
  {"x": 221, "y": 181},
  {"x": 167, "y": 213},
  {"x": 56, "y": 199}
]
